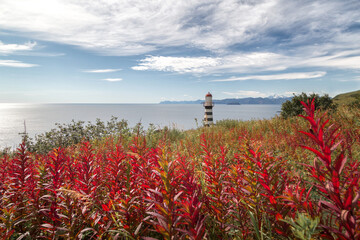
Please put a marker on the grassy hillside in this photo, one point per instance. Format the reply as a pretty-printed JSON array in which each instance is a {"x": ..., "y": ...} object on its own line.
[{"x": 347, "y": 98}]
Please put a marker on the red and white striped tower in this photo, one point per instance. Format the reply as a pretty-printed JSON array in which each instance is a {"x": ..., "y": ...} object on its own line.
[{"x": 208, "y": 117}]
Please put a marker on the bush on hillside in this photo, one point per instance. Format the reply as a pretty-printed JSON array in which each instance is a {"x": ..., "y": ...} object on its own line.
[
  {"x": 293, "y": 107},
  {"x": 355, "y": 104},
  {"x": 65, "y": 135}
]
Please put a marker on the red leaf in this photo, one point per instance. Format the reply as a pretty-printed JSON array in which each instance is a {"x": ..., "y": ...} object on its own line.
[
  {"x": 105, "y": 207},
  {"x": 278, "y": 216},
  {"x": 319, "y": 154},
  {"x": 340, "y": 163},
  {"x": 330, "y": 206},
  {"x": 348, "y": 198}
]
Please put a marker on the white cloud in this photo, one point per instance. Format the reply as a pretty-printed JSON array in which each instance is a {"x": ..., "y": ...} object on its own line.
[
  {"x": 44, "y": 54},
  {"x": 259, "y": 61},
  {"x": 102, "y": 70},
  {"x": 13, "y": 63},
  {"x": 344, "y": 60},
  {"x": 253, "y": 62},
  {"x": 6, "y": 49},
  {"x": 241, "y": 62},
  {"x": 284, "y": 76},
  {"x": 289, "y": 34},
  {"x": 135, "y": 27},
  {"x": 245, "y": 94},
  {"x": 177, "y": 64},
  {"x": 113, "y": 79}
]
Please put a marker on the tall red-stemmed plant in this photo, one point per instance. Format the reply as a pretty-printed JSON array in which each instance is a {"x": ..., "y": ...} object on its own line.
[
  {"x": 218, "y": 201},
  {"x": 115, "y": 170},
  {"x": 21, "y": 183},
  {"x": 192, "y": 210},
  {"x": 164, "y": 199},
  {"x": 239, "y": 192},
  {"x": 86, "y": 171},
  {"x": 271, "y": 175},
  {"x": 4, "y": 165},
  {"x": 87, "y": 183},
  {"x": 124, "y": 207},
  {"x": 337, "y": 183},
  {"x": 55, "y": 168}
]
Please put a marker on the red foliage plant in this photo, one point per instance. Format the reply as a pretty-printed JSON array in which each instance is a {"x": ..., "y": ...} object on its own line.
[
  {"x": 211, "y": 186},
  {"x": 339, "y": 189}
]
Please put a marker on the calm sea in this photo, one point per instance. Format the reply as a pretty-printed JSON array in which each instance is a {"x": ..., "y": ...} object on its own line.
[{"x": 40, "y": 118}]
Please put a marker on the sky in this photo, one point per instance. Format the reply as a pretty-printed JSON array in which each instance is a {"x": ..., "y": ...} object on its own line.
[{"x": 148, "y": 51}]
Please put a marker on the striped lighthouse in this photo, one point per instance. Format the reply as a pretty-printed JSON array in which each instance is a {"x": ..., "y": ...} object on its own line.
[{"x": 208, "y": 117}]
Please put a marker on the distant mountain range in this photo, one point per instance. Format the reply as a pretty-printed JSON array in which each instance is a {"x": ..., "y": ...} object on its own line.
[
  {"x": 344, "y": 98},
  {"x": 237, "y": 101}
]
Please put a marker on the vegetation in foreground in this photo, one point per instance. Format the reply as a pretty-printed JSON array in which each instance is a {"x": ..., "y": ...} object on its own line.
[{"x": 294, "y": 178}]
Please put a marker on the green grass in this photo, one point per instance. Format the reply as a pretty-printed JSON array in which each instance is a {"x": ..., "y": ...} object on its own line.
[{"x": 347, "y": 98}]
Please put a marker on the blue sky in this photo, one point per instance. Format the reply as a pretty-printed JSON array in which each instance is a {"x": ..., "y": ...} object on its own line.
[{"x": 135, "y": 51}]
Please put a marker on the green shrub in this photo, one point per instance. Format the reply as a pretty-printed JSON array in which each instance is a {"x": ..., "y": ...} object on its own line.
[
  {"x": 65, "y": 135},
  {"x": 355, "y": 104},
  {"x": 293, "y": 107}
]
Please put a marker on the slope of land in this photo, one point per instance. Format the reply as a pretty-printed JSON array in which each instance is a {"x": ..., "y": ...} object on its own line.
[{"x": 347, "y": 98}]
